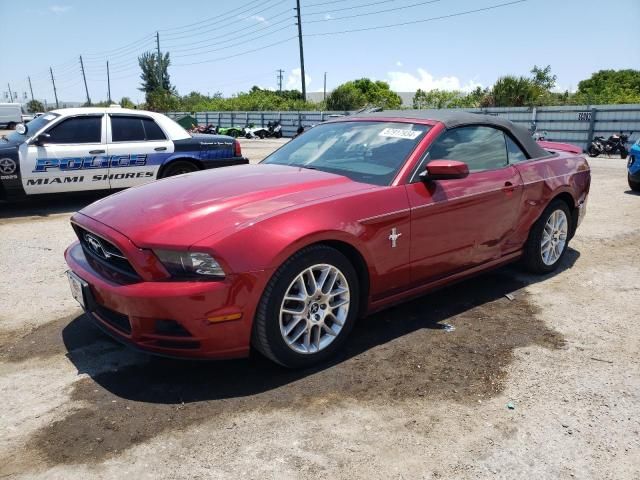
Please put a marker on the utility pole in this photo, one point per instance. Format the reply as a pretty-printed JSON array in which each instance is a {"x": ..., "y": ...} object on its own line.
[
  {"x": 84, "y": 77},
  {"x": 302, "y": 76},
  {"x": 280, "y": 72},
  {"x": 324, "y": 92},
  {"x": 108, "y": 84},
  {"x": 10, "y": 93},
  {"x": 55, "y": 93},
  {"x": 30, "y": 88},
  {"x": 159, "y": 61}
]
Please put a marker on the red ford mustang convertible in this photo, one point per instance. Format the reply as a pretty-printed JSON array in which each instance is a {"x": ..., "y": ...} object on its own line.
[{"x": 352, "y": 216}]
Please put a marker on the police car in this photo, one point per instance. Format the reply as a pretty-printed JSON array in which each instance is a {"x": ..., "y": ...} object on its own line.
[{"x": 79, "y": 149}]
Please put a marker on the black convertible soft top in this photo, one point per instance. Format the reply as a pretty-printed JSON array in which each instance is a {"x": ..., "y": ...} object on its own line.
[{"x": 452, "y": 119}]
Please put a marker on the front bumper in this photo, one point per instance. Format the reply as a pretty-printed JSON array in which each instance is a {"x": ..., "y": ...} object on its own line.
[{"x": 197, "y": 319}]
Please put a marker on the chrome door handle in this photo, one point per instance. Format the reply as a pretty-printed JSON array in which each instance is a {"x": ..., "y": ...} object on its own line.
[{"x": 95, "y": 152}]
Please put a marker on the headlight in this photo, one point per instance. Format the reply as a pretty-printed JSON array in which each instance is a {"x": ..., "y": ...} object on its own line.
[{"x": 190, "y": 264}]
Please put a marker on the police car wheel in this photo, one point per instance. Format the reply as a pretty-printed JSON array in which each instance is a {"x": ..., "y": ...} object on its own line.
[{"x": 178, "y": 168}]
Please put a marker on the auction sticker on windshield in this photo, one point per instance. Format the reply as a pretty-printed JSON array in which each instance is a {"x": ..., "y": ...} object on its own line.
[{"x": 400, "y": 133}]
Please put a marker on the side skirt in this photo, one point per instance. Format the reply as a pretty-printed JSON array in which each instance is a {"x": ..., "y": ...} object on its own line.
[{"x": 440, "y": 283}]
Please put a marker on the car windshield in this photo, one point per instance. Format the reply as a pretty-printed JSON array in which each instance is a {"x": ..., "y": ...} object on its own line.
[
  {"x": 33, "y": 126},
  {"x": 365, "y": 151}
]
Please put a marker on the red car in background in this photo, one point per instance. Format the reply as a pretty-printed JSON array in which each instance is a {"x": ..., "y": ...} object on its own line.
[{"x": 352, "y": 216}]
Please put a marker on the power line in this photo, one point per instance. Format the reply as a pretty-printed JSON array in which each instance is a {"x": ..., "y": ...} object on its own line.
[
  {"x": 376, "y": 12},
  {"x": 232, "y": 45},
  {"x": 441, "y": 17},
  {"x": 352, "y": 7},
  {"x": 226, "y": 35},
  {"x": 217, "y": 18},
  {"x": 235, "y": 54},
  {"x": 322, "y": 4},
  {"x": 192, "y": 34}
]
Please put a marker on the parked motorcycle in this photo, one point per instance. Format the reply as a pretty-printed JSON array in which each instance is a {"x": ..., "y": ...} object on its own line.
[
  {"x": 210, "y": 129},
  {"x": 616, "y": 143},
  {"x": 234, "y": 132},
  {"x": 274, "y": 129},
  {"x": 251, "y": 131}
]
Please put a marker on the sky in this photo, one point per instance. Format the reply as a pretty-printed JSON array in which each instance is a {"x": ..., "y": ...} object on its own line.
[{"x": 228, "y": 46}]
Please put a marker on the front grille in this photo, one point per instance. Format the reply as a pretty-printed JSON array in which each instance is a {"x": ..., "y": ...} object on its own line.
[
  {"x": 105, "y": 253},
  {"x": 115, "y": 319}
]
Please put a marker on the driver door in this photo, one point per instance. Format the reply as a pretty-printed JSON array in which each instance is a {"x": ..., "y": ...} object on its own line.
[
  {"x": 71, "y": 156},
  {"x": 458, "y": 224}
]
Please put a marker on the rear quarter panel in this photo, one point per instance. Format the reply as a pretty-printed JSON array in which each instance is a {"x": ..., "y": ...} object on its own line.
[{"x": 546, "y": 178}]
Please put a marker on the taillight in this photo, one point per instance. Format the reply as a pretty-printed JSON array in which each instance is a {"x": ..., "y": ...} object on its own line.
[{"x": 237, "y": 150}]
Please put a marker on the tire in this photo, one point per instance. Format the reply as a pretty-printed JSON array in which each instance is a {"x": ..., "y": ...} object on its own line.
[
  {"x": 593, "y": 151},
  {"x": 11, "y": 126},
  {"x": 278, "y": 135},
  {"x": 635, "y": 186},
  {"x": 247, "y": 136},
  {"x": 623, "y": 153},
  {"x": 178, "y": 168},
  {"x": 534, "y": 256},
  {"x": 269, "y": 328},
  {"x": 261, "y": 135}
]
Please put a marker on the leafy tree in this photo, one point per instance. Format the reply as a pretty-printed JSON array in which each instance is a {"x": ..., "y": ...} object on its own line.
[
  {"x": 543, "y": 78},
  {"x": 35, "y": 106},
  {"x": 610, "y": 86},
  {"x": 359, "y": 93},
  {"x": 156, "y": 83},
  {"x": 510, "y": 91},
  {"x": 126, "y": 102},
  {"x": 346, "y": 97}
]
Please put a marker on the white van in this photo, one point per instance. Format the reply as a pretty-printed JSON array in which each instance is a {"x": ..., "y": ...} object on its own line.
[{"x": 10, "y": 115}]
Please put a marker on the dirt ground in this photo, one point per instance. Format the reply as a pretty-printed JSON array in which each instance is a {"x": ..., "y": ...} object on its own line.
[{"x": 463, "y": 383}]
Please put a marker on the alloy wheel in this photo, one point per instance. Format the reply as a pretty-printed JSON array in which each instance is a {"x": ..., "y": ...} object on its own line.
[
  {"x": 314, "y": 309},
  {"x": 554, "y": 237}
]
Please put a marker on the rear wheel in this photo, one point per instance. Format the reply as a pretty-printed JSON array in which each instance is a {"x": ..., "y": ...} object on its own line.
[
  {"x": 548, "y": 239},
  {"x": 593, "y": 151},
  {"x": 178, "y": 168},
  {"x": 11, "y": 126},
  {"x": 308, "y": 308},
  {"x": 635, "y": 186}
]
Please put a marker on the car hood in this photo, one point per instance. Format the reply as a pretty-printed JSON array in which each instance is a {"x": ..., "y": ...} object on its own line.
[{"x": 182, "y": 210}]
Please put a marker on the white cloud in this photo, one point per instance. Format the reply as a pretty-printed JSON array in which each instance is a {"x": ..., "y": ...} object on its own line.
[
  {"x": 399, "y": 63},
  {"x": 294, "y": 80},
  {"x": 259, "y": 19},
  {"x": 408, "y": 82},
  {"x": 59, "y": 9}
]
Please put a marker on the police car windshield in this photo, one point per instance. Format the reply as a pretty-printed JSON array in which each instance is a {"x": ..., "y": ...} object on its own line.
[{"x": 33, "y": 126}]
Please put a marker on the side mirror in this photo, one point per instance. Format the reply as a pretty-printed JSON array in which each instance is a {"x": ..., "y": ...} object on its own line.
[
  {"x": 445, "y": 170},
  {"x": 41, "y": 139}
]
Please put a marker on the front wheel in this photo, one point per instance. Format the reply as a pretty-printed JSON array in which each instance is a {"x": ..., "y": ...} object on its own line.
[
  {"x": 623, "y": 153},
  {"x": 308, "y": 308},
  {"x": 548, "y": 239},
  {"x": 635, "y": 186},
  {"x": 593, "y": 151}
]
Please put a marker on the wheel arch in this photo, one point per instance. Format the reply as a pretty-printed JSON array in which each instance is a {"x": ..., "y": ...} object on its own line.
[
  {"x": 356, "y": 259},
  {"x": 570, "y": 201}
]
